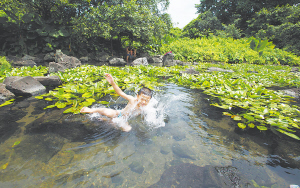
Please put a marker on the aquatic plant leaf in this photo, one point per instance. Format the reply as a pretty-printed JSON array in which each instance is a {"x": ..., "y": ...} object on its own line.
[
  {"x": 39, "y": 97},
  {"x": 103, "y": 102},
  {"x": 227, "y": 114},
  {"x": 288, "y": 134},
  {"x": 87, "y": 95},
  {"x": 61, "y": 91},
  {"x": 70, "y": 110},
  {"x": 50, "y": 106},
  {"x": 67, "y": 95},
  {"x": 16, "y": 143},
  {"x": 262, "y": 128},
  {"x": 4, "y": 166},
  {"x": 48, "y": 99},
  {"x": 242, "y": 125},
  {"x": 7, "y": 102},
  {"x": 251, "y": 125},
  {"x": 91, "y": 100},
  {"x": 249, "y": 117},
  {"x": 60, "y": 105},
  {"x": 236, "y": 117}
]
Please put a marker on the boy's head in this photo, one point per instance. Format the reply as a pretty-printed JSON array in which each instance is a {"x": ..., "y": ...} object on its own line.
[{"x": 144, "y": 95}]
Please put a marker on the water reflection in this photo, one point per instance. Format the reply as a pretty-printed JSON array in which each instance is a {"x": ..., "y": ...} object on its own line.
[{"x": 185, "y": 134}]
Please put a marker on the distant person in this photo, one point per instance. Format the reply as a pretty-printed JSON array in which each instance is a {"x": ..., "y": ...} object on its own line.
[
  {"x": 130, "y": 53},
  {"x": 133, "y": 107}
]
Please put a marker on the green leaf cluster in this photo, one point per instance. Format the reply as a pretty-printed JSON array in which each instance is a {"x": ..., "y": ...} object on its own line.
[
  {"x": 247, "y": 93},
  {"x": 229, "y": 50},
  {"x": 86, "y": 85}
]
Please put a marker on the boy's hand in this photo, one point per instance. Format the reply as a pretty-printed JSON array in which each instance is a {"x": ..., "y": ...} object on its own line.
[{"x": 109, "y": 78}]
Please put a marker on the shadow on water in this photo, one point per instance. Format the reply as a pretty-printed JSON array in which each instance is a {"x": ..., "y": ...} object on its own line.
[{"x": 181, "y": 141}]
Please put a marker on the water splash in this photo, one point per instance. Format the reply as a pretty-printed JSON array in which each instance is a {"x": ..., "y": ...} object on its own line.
[{"x": 153, "y": 115}]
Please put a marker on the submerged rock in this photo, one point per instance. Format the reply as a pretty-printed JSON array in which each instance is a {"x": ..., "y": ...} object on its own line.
[
  {"x": 136, "y": 167},
  {"x": 189, "y": 175},
  {"x": 182, "y": 151}
]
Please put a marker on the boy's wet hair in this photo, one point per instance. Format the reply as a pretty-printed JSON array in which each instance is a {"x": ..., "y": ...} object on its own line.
[{"x": 145, "y": 91}]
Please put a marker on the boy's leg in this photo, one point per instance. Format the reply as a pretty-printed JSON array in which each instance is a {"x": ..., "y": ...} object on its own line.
[{"x": 103, "y": 111}]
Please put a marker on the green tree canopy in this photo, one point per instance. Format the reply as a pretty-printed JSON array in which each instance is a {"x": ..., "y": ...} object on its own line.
[
  {"x": 227, "y": 11},
  {"x": 204, "y": 24}
]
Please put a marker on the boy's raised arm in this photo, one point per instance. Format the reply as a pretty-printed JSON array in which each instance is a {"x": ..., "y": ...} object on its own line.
[{"x": 110, "y": 80}]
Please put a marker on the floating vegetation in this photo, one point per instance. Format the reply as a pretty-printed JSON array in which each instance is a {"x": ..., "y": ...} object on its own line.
[{"x": 243, "y": 93}]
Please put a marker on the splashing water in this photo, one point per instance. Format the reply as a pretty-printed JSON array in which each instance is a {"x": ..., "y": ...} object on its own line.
[{"x": 153, "y": 115}]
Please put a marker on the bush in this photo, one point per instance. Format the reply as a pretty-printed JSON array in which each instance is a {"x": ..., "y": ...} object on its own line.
[
  {"x": 4, "y": 66},
  {"x": 227, "y": 50}
]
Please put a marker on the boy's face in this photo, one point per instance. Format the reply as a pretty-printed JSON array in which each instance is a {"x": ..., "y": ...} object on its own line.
[{"x": 143, "y": 100}]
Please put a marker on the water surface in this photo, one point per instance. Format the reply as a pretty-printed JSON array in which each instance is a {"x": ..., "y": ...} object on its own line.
[{"x": 182, "y": 134}]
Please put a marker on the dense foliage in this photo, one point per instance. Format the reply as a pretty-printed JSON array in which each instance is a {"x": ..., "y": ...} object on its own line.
[
  {"x": 243, "y": 95},
  {"x": 277, "y": 21},
  {"x": 79, "y": 26},
  {"x": 218, "y": 49}
]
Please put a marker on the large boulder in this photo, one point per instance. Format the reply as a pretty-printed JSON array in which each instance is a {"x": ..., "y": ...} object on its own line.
[
  {"x": 63, "y": 62},
  {"x": 67, "y": 61},
  {"x": 168, "y": 60},
  {"x": 115, "y": 61},
  {"x": 140, "y": 61},
  {"x": 49, "y": 80},
  {"x": 5, "y": 94},
  {"x": 24, "y": 85}
]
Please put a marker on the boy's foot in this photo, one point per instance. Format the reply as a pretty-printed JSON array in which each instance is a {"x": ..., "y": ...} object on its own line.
[
  {"x": 85, "y": 110},
  {"x": 126, "y": 128}
]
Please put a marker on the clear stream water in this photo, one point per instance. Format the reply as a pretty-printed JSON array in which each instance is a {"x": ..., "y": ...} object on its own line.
[{"x": 180, "y": 141}]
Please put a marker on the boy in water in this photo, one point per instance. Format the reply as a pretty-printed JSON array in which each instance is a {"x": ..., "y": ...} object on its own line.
[{"x": 134, "y": 104}]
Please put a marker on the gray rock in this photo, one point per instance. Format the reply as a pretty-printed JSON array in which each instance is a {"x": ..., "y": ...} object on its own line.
[
  {"x": 24, "y": 85},
  {"x": 49, "y": 57},
  {"x": 182, "y": 151},
  {"x": 28, "y": 57},
  {"x": 55, "y": 67},
  {"x": 117, "y": 61},
  {"x": 291, "y": 92},
  {"x": 295, "y": 69},
  {"x": 5, "y": 94},
  {"x": 84, "y": 59},
  {"x": 189, "y": 71},
  {"x": 49, "y": 80},
  {"x": 66, "y": 61},
  {"x": 190, "y": 175},
  {"x": 29, "y": 63},
  {"x": 136, "y": 167},
  {"x": 102, "y": 57},
  {"x": 140, "y": 61},
  {"x": 165, "y": 150},
  {"x": 168, "y": 60},
  {"x": 155, "y": 59},
  {"x": 211, "y": 69}
]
